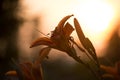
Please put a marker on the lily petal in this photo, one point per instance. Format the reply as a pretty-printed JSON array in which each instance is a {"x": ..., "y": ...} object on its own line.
[
  {"x": 68, "y": 29},
  {"x": 11, "y": 73},
  {"x": 42, "y": 41},
  {"x": 43, "y": 53},
  {"x": 62, "y": 22}
]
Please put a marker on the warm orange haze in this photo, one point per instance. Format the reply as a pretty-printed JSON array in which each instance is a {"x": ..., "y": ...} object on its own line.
[
  {"x": 97, "y": 19},
  {"x": 60, "y": 40}
]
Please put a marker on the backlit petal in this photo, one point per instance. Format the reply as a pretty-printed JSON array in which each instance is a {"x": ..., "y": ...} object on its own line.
[
  {"x": 68, "y": 29},
  {"x": 62, "y": 22},
  {"x": 43, "y": 53},
  {"x": 42, "y": 41}
]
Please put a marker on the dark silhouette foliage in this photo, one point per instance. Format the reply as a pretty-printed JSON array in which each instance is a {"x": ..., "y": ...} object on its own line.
[{"x": 8, "y": 34}]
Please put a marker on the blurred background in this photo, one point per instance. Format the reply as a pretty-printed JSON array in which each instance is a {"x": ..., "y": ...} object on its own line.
[{"x": 20, "y": 21}]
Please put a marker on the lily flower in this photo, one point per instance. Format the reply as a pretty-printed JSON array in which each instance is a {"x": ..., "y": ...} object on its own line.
[
  {"x": 29, "y": 70},
  {"x": 60, "y": 40}
]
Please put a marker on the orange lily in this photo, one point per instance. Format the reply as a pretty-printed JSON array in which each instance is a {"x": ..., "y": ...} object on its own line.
[
  {"x": 30, "y": 71},
  {"x": 60, "y": 40}
]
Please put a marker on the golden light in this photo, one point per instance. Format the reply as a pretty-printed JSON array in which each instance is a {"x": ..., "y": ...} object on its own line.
[{"x": 95, "y": 16}]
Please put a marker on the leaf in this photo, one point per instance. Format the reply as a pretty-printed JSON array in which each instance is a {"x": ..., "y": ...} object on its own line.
[
  {"x": 42, "y": 41},
  {"x": 68, "y": 29},
  {"x": 44, "y": 53}
]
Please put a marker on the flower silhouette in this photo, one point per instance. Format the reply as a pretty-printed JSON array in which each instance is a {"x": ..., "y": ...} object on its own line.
[{"x": 60, "y": 40}]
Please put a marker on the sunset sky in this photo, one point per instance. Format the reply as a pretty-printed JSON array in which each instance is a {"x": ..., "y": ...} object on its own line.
[{"x": 97, "y": 18}]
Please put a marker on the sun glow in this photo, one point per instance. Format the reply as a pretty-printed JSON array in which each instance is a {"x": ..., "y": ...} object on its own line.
[{"x": 95, "y": 16}]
